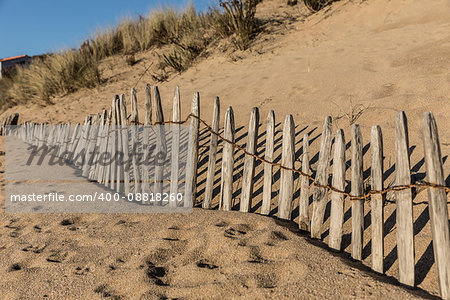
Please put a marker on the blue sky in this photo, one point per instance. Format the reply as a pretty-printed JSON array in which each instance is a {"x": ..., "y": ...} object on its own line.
[{"x": 39, "y": 26}]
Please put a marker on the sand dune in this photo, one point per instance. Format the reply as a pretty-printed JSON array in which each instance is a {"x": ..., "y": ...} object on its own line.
[
  {"x": 379, "y": 55},
  {"x": 203, "y": 255}
]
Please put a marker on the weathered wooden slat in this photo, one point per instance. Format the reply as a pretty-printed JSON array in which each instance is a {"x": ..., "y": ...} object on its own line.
[
  {"x": 74, "y": 139},
  {"x": 303, "y": 205},
  {"x": 119, "y": 153},
  {"x": 125, "y": 142},
  {"x": 337, "y": 199},
  {"x": 146, "y": 140},
  {"x": 212, "y": 156},
  {"x": 192, "y": 157},
  {"x": 268, "y": 168},
  {"x": 161, "y": 147},
  {"x": 357, "y": 189},
  {"x": 103, "y": 142},
  {"x": 98, "y": 144},
  {"x": 226, "y": 184},
  {"x": 82, "y": 141},
  {"x": 134, "y": 120},
  {"x": 103, "y": 173},
  {"x": 113, "y": 145},
  {"x": 405, "y": 233},
  {"x": 134, "y": 116},
  {"x": 320, "y": 196},
  {"x": 287, "y": 177},
  {"x": 437, "y": 203},
  {"x": 377, "y": 200},
  {"x": 174, "y": 166},
  {"x": 148, "y": 105},
  {"x": 249, "y": 162}
]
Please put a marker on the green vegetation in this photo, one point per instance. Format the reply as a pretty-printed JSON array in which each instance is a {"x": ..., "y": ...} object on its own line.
[
  {"x": 183, "y": 36},
  {"x": 316, "y": 5}
]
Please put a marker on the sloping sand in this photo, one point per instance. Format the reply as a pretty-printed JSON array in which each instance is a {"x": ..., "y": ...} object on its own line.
[
  {"x": 203, "y": 255},
  {"x": 382, "y": 55}
]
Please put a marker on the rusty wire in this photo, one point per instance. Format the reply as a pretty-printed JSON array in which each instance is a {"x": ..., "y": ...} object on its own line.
[{"x": 396, "y": 188}]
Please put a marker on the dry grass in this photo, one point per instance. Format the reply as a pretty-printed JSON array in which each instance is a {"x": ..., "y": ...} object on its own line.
[
  {"x": 316, "y": 5},
  {"x": 239, "y": 20},
  {"x": 184, "y": 35},
  {"x": 355, "y": 111},
  {"x": 60, "y": 73}
]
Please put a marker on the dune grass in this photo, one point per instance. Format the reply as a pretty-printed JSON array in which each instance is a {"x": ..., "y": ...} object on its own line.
[
  {"x": 184, "y": 34},
  {"x": 316, "y": 5}
]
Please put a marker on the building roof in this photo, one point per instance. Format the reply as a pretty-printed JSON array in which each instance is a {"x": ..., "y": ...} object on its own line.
[{"x": 12, "y": 58}]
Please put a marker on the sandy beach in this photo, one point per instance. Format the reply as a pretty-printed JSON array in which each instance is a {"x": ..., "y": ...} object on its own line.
[{"x": 376, "y": 57}]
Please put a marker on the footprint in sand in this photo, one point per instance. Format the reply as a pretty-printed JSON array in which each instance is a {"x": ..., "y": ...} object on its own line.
[
  {"x": 13, "y": 224},
  {"x": 237, "y": 231},
  {"x": 14, "y": 233},
  {"x": 58, "y": 256},
  {"x": 155, "y": 274},
  {"x": 115, "y": 265},
  {"x": 15, "y": 267},
  {"x": 107, "y": 292},
  {"x": 69, "y": 221},
  {"x": 38, "y": 248},
  {"x": 222, "y": 224},
  {"x": 81, "y": 270},
  {"x": 205, "y": 264}
]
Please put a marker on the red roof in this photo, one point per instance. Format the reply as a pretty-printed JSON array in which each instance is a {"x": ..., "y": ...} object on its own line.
[{"x": 12, "y": 58}]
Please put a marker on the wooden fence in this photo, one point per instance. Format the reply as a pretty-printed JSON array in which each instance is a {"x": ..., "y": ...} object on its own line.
[{"x": 136, "y": 180}]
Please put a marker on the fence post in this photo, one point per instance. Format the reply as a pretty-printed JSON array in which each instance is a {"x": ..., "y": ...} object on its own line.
[
  {"x": 148, "y": 105},
  {"x": 174, "y": 167},
  {"x": 161, "y": 146},
  {"x": 102, "y": 147},
  {"x": 303, "y": 205},
  {"x": 104, "y": 171},
  {"x": 337, "y": 199},
  {"x": 377, "y": 200},
  {"x": 437, "y": 204},
  {"x": 134, "y": 117},
  {"x": 249, "y": 162},
  {"x": 119, "y": 147},
  {"x": 405, "y": 233},
  {"x": 83, "y": 138},
  {"x": 113, "y": 139},
  {"x": 145, "y": 139},
  {"x": 99, "y": 143},
  {"x": 192, "y": 158},
  {"x": 125, "y": 142},
  {"x": 287, "y": 177},
  {"x": 226, "y": 181},
  {"x": 320, "y": 195},
  {"x": 73, "y": 141},
  {"x": 357, "y": 189},
  {"x": 268, "y": 168},
  {"x": 212, "y": 156}
]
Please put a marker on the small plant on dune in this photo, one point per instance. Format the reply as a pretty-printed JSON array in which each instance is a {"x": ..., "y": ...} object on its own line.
[
  {"x": 316, "y": 5},
  {"x": 239, "y": 20},
  {"x": 354, "y": 112}
]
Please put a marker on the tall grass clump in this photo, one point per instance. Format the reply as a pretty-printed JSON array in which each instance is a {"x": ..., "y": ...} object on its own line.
[
  {"x": 316, "y": 5},
  {"x": 161, "y": 27},
  {"x": 238, "y": 20},
  {"x": 60, "y": 73},
  {"x": 180, "y": 35}
]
